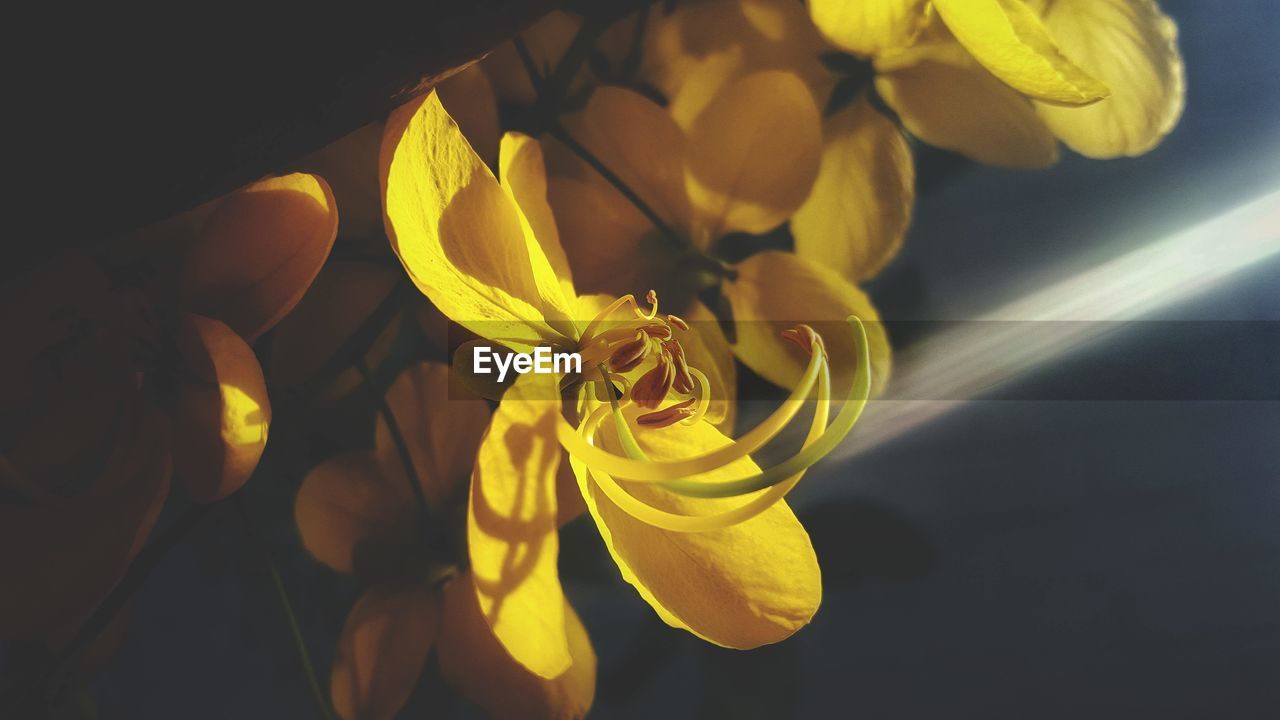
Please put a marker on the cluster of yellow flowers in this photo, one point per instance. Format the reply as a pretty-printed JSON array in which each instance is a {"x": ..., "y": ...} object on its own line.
[{"x": 654, "y": 153}]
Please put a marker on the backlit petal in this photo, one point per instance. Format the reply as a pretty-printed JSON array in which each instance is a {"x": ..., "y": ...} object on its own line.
[
  {"x": 741, "y": 587},
  {"x": 348, "y": 503},
  {"x": 259, "y": 252},
  {"x": 947, "y": 99},
  {"x": 753, "y": 155},
  {"x": 524, "y": 175},
  {"x": 461, "y": 238},
  {"x": 512, "y": 529},
  {"x": 858, "y": 212},
  {"x": 1133, "y": 47},
  {"x": 774, "y": 291},
  {"x": 696, "y": 50},
  {"x": 474, "y": 662},
  {"x": 223, "y": 410},
  {"x": 382, "y": 650},
  {"x": 442, "y": 427},
  {"x": 868, "y": 27},
  {"x": 1008, "y": 38}
]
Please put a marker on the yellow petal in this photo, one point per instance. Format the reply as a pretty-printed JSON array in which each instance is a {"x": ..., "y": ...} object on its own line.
[
  {"x": 343, "y": 298},
  {"x": 639, "y": 142},
  {"x": 475, "y": 663},
  {"x": 348, "y": 501},
  {"x": 468, "y": 97},
  {"x": 1133, "y": 47},
  {"x": 741, "y": 587},
  {"x": 1010, "y": 41},
  {"x": 868, "y": 27},
  {"x": 695, "y": 51},
  {"x": 461, "y": 238},
  {"x": 223, "y": 411},
  {"x": 512, "y": 531},
  {"x": 753, "y": 155},
  {"x": 776, "y": 290},
  {"x": 259, "y": 252},
  {"x": 946, "y": 99},
  {"x": 382, "y": 650},
  {"x": 524, "y": 176},
  {"x": 441, "y": 426},
  {"x": 858, "y": 212}
]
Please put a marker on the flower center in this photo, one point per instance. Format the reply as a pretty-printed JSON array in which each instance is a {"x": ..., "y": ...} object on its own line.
[
  {"x": 618, "y": 347},
  {"x": 686, "y": 476}
]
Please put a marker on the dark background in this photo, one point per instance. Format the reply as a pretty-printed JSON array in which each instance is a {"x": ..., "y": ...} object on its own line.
[{"x": 1016, "y": 558}]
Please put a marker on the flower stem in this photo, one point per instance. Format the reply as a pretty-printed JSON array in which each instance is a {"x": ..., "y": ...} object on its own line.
[
  {"x": 304, "y": 658},
  {"x": 402, "y": 448}
]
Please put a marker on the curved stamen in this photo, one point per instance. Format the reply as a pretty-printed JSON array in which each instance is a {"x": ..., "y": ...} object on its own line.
[
  {"x": 652, "y": 298},
  {"x": 676, "y": 522},
  {"x": 844, "y": 422},
  {"x": 703, "y": 393},
  {"x": 657, "y": 471}
]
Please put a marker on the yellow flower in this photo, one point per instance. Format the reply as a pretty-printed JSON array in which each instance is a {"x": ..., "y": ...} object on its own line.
[
  {"x": 105, "y": 394},
  {"x": 486, "y": 251},
  {"x": 356, "y": 513}
]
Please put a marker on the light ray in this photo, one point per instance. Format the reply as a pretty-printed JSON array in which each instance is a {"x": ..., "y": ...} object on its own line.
[{"x": 968, "y": 359}]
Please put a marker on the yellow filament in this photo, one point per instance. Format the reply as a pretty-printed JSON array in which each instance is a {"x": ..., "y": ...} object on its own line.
[
  {"x": 675, "y": 522},
  {"x": 703, "y": 393}
]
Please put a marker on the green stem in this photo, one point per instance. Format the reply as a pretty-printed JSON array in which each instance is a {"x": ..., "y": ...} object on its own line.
[
  {"x": 397, "y": 437},
  {"x": 304, "y": 657},
  {"x": 137, "y": 573}
]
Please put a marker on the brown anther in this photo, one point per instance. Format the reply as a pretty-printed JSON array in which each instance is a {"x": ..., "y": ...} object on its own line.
[
  {"x": 629, "y": 354},
  {"x": 678, "y": 322},
  {"x": 683, "y": 382},
  {"x": 661, "y": 331},
  {"x": 652, "y": 387},
  {"x": 805, "y": 338},
  {"x": 669, "y": 415}
]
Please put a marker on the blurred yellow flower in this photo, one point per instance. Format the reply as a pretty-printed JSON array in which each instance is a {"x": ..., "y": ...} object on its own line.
[
  {"x": 487, "y": 252},
  {"x": 999, "y": 81}
]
